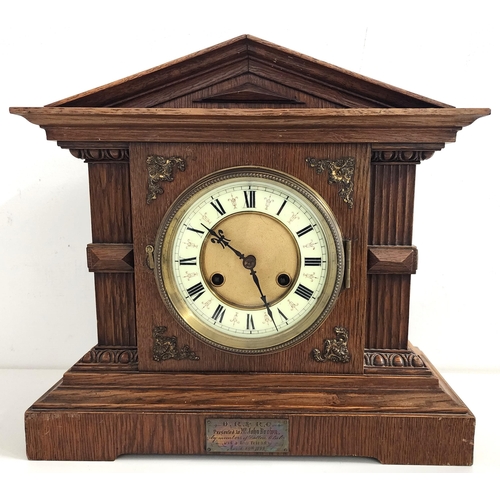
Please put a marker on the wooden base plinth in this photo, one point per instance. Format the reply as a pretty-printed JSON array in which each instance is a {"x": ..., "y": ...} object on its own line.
[{"x": 101, "y": 415}]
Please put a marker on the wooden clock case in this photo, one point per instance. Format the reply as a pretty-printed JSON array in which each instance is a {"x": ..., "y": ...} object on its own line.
[{"x": 356, "y": 386}]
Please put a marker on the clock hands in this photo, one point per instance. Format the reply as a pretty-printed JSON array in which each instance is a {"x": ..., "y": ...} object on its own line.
[
  {"x": 249, "y": 262},
  {"x": 223, "y": 241}
]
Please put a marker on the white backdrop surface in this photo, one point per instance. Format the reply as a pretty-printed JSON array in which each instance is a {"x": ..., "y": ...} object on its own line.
[{"x": 444, "y": 50}]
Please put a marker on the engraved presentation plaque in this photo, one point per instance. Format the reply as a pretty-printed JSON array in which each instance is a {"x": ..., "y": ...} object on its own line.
[{"x": 232, "y": 435}]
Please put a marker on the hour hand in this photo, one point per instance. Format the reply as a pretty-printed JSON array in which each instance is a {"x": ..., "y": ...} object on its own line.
[
  {"x": 249, "y": 262},
  {"x": 218, "y": 237}
]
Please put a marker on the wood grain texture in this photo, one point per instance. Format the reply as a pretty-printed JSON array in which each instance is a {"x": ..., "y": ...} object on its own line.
[
  {"x": 79, "y": 377},
  {"x": 443, "y": 440},
  {"x": 90, "y": 417},
  {"x": 115, "y": 307},
  {"x": 110, "y": 211},
  {"x": 392, "y": 259},
  {"x": 392, "y": 191},
  {"x": 392, "y": 188},
  {"x": 110, "y": 257},
  {"x": 247, "y": 400},
  {"x": 388, "y": 311},
  {"x": 246, "y": 125}
]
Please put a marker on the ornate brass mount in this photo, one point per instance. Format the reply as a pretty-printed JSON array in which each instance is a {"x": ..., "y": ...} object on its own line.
[
  {"x": 334, "y": 350},
  {"x": 161, "y": 169},
  {"x": 165, "y": 348},
  {"x": 340, "y": 171}
]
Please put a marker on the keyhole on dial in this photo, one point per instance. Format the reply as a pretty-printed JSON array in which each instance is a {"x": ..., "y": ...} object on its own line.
[
  {"x": 217, "y": 279},
  {"x": 283, "y": 280}
]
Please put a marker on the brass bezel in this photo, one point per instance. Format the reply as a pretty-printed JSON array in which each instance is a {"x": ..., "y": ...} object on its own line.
[{"x": 175, "y": 301}]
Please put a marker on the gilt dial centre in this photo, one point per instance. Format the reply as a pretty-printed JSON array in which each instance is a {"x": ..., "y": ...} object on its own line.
[{"x": 267, "y": 246}]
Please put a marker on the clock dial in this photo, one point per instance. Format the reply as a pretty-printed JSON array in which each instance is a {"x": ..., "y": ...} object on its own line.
[{"x": 249, "y": 259}]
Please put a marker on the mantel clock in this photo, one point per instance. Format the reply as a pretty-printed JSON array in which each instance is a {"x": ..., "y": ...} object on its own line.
[{"x": 252, "y": 250}]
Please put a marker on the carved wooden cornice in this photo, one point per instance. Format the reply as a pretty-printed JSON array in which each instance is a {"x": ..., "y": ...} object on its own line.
[
  {"x": 318, "y": 125},
  {"x": 401, "y": 156}
]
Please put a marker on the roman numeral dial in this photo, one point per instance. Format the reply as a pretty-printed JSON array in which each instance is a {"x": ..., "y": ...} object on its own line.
[
  {"x": 249, "y": 198},
  {"x": 245, "y": 255}
]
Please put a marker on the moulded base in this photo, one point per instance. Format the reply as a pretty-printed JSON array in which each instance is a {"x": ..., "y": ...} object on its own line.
[{"x": 397, "y": 419}]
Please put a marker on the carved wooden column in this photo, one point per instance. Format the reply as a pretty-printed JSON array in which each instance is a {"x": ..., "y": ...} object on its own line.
[
  {"x": 110, "y": 255},
  {"x": 391, "y": 257}
]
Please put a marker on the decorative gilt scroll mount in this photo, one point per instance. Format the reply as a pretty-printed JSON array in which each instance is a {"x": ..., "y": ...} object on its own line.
[
  {"x": 340, "y": 171},
  {"x": 161, "y": 169},
  {"x": 165, "y": 348},
  {"x": 334, "y": 350}
]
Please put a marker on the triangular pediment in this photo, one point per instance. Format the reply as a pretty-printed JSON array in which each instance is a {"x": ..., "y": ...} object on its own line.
[
  {"x": 250, "y": 94},
  {"x": 247, "y": 72}
]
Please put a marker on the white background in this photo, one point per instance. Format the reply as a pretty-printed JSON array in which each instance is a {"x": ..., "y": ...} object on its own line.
[{"x": 444, "y": 50}]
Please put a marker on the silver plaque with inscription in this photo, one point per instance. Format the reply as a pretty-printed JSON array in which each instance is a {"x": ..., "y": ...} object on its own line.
[{"x": 247, "y": 435}]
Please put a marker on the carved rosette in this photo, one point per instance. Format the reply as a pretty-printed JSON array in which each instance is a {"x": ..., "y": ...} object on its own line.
[
  {"x": 109, "y": 355},
  {"x": 109, "y": 358},
  {"x": 392, "y": 359},
  {"x": 165, "y": 348},
  {"x": 334, "y": 350},
  {"x": 340, "y": 171},
  {"x": 105, "y": 155},
  {"x": 400, "y": 156},
  {"x": 161, "y": 169}
]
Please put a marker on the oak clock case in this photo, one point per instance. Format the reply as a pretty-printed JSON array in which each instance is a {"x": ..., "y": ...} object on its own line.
[
  {"x": 250, "y": 260},
  {"x": 252, "y": 252}
]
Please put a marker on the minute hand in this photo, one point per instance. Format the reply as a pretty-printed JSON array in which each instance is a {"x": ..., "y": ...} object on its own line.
[{"x": 262, "y": 296}]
